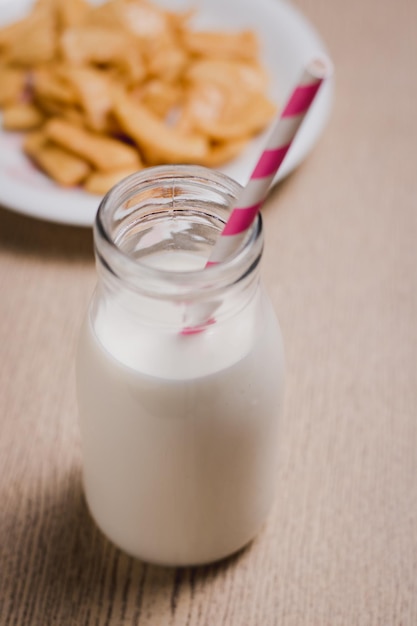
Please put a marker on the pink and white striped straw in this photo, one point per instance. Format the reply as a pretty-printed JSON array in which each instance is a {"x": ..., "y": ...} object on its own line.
[
  {"x": 253, "y": 195},
  {"x": 278, "y": 144}
]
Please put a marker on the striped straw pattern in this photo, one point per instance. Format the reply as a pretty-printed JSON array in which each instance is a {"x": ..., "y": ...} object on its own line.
[{"x": 278, "y": 144}]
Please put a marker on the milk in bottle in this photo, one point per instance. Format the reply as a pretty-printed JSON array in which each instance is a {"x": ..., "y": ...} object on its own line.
[{"x": 179, "y": 429}]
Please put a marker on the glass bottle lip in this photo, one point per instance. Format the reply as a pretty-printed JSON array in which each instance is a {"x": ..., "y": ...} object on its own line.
[{"x": 146, "y": 278}]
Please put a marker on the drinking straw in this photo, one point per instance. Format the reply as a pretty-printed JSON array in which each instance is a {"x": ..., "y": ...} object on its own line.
[
  {"x": 253, "y": 195},
  {"x": 282, "y": 135}
]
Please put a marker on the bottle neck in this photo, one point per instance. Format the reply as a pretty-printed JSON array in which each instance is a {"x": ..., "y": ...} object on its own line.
[{"x": 153, "y": 235}]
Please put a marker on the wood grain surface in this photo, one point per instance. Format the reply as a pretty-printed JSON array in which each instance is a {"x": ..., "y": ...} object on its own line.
[{"x": 340, "y": 547}]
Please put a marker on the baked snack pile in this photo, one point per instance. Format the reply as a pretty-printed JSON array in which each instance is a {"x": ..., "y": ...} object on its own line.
[{"x": 102, "y": 91}]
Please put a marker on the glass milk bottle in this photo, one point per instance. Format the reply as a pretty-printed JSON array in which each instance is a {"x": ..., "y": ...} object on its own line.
[{"x": 179, "y": 373}]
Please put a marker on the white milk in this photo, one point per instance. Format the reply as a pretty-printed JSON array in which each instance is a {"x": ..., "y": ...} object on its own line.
[{"x": 180, "y": 433}]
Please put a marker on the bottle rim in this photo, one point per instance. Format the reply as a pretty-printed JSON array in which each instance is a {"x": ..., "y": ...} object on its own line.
[{"x": 145, "y": 278}]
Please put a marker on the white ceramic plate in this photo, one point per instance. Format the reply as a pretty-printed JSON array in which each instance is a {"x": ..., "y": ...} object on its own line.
[{"x": 288, "y": 43}]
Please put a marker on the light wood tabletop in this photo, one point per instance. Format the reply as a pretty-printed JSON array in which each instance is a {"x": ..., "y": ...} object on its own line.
[{"x": 340, "y": 263}]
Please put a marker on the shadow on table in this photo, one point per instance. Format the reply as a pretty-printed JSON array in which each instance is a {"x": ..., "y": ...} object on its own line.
[
  {"x": 27, "y": 236},
  {"x": 61, "y": 569}
]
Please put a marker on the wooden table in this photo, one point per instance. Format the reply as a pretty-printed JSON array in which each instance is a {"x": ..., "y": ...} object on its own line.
[{"x": 340, "y": 548}]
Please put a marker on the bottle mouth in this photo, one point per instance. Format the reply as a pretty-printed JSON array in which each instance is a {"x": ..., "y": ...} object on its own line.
[{"x": 162, "y": 213}]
